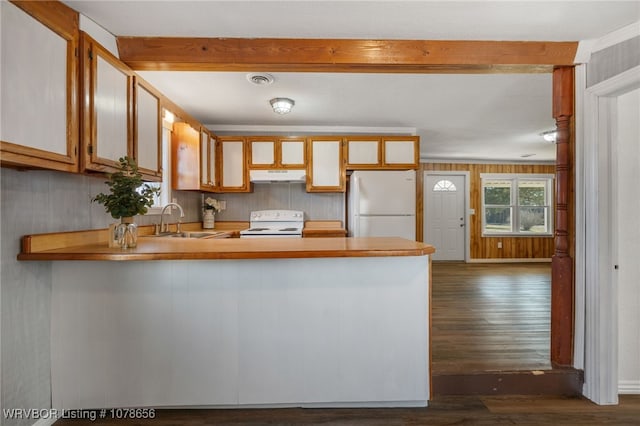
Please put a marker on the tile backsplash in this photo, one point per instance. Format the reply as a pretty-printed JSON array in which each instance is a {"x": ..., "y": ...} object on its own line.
[{"x": 282, "y": 195}]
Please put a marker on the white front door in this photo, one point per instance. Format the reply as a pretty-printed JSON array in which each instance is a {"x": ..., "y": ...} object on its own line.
[{"x": 445, "y": 219}]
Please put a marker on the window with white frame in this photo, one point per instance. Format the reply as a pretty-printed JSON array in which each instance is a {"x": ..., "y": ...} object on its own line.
[{"x": 517, "y": 204}]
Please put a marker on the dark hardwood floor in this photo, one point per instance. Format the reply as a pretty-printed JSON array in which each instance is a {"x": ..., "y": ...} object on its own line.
[
  {"x": 490, "y": 317},
  {"x": 452, "y": 410}
]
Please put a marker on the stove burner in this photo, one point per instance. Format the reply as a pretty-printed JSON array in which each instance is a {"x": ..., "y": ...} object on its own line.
[
  {"x": 258, "y": 229},
  {"x": 287, "y": 229}
]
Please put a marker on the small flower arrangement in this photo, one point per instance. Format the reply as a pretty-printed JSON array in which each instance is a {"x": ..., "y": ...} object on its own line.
[{"x": 212, "y": 204}]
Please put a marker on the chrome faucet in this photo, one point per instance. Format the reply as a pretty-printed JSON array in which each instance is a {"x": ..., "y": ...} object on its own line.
[{"x": 165, "y": 227}]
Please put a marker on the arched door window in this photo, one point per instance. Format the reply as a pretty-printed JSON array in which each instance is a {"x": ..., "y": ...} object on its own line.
[{"x": 444, "y": 186}]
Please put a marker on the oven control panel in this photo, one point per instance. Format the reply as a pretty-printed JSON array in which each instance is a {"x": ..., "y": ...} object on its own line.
[{"x": 277, "y": 216}]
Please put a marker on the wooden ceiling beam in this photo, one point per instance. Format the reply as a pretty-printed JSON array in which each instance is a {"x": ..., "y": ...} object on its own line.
[{"x": 343, "y": 55}]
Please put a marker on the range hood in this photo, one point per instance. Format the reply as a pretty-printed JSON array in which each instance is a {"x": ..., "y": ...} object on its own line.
[{"x": 278, "y": 175}]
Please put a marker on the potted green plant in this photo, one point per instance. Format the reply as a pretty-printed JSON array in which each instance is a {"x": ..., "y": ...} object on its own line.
[{"x": 129, "y": 196}]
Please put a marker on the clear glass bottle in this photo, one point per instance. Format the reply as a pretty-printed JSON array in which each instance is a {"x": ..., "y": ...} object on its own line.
[{"x": 127, "y": 233}]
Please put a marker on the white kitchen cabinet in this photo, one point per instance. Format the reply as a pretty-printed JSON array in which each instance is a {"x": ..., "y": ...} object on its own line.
[
  {"x": 208, "y": 177},
  {"x": 234, "y": 174},
  {"x": 107, "y": 108},
  {"x": 262, "y": 152},
  {"x": 363, "y": 153},
  {"x": 381, "y": 152},
  {"x": 39, "y": 120},
  {"x": 293, "y": 153},
  {"x": 400, "y": 152},
  {"x": 273, "y": 152},
  {"x": 147, "y": 140},
  {"x": 325, "y": 169}
]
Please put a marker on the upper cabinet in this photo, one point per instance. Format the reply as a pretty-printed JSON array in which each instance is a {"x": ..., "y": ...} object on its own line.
[
  {"x": 363, "y": 152},
  {"x": 39, "y": 121},
  {"x": 271, "y": 152},
  {"x": 185, "y": 156},
  {"x": 106, "y": 108},
  {"x": 147, "y": 133},
  {"x": 400, "y": 152},
  {"x": 234, "y": 173},
  {"x": 208, "y": 167},
  {"x": 379, "y": 153},
  {"x": 325, "y": 168}
]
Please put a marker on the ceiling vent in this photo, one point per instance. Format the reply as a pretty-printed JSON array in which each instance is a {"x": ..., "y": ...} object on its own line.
[{"x": 260, "y": 79}]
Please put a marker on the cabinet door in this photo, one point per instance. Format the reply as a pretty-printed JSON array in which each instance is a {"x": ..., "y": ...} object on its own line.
[
  {"x": 325, "y": 171},
  {"x": 234, "y": 174},
  {"x": 107, "y": 108},
  {"x": 293, "y": 153},
  {"x": 262, "y": 152},
  {"x": 147, "y": 140},
  {"x": 400, "y": 152},
  {"x": 185, "y": 154},
  {"x": 39, "y": 123},
  {"x": 363, "y": 153},
  {"x": 208, "y": 181}
]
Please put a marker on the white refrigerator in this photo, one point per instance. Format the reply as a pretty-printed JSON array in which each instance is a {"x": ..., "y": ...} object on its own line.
[{"x": 382, "y": 204}]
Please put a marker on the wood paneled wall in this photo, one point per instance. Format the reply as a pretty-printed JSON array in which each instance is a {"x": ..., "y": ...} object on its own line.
[{"x": 487, "y": 247}]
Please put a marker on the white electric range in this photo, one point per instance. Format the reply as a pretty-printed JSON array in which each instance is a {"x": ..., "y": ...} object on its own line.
[{"x": 274, "y": 224}]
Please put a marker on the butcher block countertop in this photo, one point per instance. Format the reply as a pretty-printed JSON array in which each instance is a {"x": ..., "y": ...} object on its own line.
[{"x": 153, "y": 248}]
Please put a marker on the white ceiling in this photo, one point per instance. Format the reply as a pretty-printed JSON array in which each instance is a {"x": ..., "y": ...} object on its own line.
[{"x": 481, "y": 117}]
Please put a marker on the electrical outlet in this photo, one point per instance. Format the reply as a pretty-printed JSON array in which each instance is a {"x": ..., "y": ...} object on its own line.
[
  {"x": 223, "y": 205},
  {"x": 500, "y": 244}
]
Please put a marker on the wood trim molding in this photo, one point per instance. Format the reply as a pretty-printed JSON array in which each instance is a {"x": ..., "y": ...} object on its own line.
[
  {"x": 600, "y": 289},
  {"x": 54, "y": 14},
  {"x": 343, "y": 55},
  {"x": 562, "y": 285}
]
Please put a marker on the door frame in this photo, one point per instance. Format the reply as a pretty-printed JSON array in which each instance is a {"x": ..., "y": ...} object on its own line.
[
  {"x": 467, "y": 200},
  {"x": 596, "y": 246}
]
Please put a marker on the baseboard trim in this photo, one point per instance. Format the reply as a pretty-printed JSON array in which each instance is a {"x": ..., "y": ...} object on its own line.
[
  {"x": 557, "y": 381},
  {"x": 629, "y": 387},
  {"x": 512, "y": 260}
]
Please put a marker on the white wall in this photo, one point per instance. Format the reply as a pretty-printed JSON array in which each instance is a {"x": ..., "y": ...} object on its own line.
[{"x": 628, "y": 176}]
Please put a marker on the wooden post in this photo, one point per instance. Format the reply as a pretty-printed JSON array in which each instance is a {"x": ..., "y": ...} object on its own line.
[{"x": 562, "y": 284}]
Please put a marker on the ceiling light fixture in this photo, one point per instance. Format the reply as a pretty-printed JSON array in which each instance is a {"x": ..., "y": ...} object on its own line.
[
  {"x": 549, "y": 136},
  {"x": 282, "y": 105}
]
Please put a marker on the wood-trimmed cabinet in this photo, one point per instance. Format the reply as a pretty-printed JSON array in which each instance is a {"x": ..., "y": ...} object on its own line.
[
  {"x": 381, "y": 152},
  {"x": 233, "y": 164},
  {"x": 40, "y": 116},
  {"x": 185, "y": 155},
  {"x": 147, "y": 129},
  {"x": 107, "y": 108},
  {"x": 325, "y": 166},
  {"x": 208, "y": 163},
  {"x": 269, "y": 152}
]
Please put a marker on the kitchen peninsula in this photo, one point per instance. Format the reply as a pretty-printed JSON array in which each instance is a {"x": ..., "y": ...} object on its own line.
[{"x": 235, "y": 322}]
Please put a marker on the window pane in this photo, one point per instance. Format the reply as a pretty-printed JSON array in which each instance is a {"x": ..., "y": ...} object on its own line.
[
  {"x": 497, "y": 219},
  {"x": 533, "y": 219},
  {"x": 531, "y": 193},
  {"x": 444, "y": 185},
  {"x": 497, "y": 192}
]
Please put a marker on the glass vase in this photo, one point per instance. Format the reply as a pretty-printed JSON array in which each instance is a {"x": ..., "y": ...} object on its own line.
[
  {"x": 208, "y": 219},
  {"x": 127, "y": 233}
]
